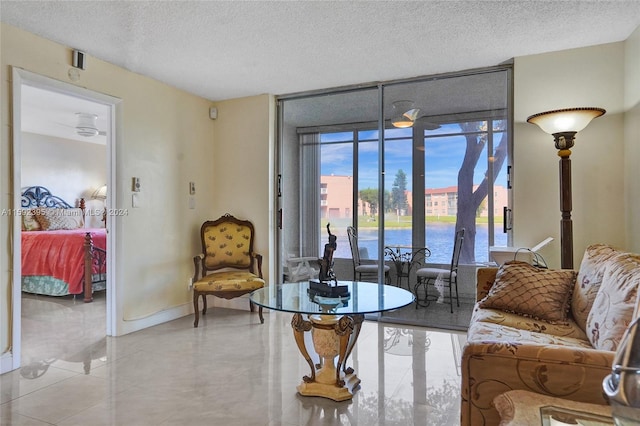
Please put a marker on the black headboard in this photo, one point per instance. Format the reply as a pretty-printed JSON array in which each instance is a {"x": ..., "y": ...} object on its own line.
[{"x": 39, "y": 196}]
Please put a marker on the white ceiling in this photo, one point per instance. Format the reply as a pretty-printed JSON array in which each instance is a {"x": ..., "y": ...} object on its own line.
[
  {"x": 223, "y": 49},
  {"x": 54, "y": 114}
]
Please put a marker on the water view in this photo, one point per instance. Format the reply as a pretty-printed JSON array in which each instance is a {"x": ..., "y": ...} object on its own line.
[{"x": 440, "y": 238}]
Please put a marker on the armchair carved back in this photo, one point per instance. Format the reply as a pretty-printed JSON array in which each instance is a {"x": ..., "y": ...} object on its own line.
[{"x": 227, "y": 242}]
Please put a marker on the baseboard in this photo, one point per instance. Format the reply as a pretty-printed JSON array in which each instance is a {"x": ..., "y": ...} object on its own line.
[
  {"x": 136, "y": 324},
  {"x": 6, "y": 362}
]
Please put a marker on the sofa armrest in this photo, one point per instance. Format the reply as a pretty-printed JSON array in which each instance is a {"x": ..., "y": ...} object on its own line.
[
  {"x": 491, "y": 368},
  {"x": 485, "y": 278}
]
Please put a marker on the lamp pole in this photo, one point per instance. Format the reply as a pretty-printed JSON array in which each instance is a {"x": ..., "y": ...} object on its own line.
[
  {"x": 564, "y": 141},
  {"x": 563, "y": 124}
]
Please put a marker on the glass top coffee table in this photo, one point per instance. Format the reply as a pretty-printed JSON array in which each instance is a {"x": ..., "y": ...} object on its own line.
[{"x": 334, "y": 322}]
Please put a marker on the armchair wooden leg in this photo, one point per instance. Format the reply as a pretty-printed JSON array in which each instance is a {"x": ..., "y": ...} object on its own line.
[
  {"x": 252, "y": 307},
  {"x": 204, "y": 304},
  {"x": 195, "y": 309}
]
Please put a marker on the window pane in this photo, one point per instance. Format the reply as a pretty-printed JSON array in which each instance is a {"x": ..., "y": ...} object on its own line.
[
  {"x": 336, "y": 187},
  {"x": 500, "y": 190},
  {"x": 443, "y": 157},
  {"x": 368, "y": 205},
  {"x": 398, "y": 186},
  {"x": 438, "y": 173},
  {"x": 457, "y": 175}
]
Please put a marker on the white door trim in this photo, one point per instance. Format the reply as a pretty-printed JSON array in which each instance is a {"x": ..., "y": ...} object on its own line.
[{"x": 114, "y": 105}]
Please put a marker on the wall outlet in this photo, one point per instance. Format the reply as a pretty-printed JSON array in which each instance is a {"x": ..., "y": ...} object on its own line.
[{"x": 190, "y": 283}]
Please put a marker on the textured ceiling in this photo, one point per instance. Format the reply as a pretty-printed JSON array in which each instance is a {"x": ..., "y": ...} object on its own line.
[{"x": 221, "y": 50}]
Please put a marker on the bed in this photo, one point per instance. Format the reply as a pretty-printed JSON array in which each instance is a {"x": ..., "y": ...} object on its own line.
[{"x": 60, "y": 256}]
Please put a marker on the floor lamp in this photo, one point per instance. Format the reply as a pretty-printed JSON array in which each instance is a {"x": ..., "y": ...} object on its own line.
[{"x": 563, "y": 124}]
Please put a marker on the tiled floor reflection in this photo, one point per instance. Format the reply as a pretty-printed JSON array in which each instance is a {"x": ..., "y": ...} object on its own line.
[
  {"x": 436, "y": 315},
  {"x": 230, "y": 371}
]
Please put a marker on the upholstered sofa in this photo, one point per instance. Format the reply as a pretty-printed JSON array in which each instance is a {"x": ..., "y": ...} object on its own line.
[{"x": 553, "y": 332}]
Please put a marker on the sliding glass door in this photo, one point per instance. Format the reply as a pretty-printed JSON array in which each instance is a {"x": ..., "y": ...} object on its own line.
[{"x": 406, "y": 163}]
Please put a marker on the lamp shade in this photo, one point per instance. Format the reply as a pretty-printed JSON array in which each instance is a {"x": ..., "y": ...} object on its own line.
[
  {"x": 100, "y": 193},
  {"x": 565, "y": 120},
  {"x": 404, "y": 114},
  {"x": 401, "y": 122}
]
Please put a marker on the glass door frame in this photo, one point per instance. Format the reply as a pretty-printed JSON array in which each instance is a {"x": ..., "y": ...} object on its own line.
[{"x": 418, "y": 163}]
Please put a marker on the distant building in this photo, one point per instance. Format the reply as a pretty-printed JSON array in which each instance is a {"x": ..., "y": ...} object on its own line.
[
  {"x": 336, "y": 199},
  {"x": 444, "y": 201}
]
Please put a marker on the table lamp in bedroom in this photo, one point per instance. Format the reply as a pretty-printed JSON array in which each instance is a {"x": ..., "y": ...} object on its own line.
[{"x": 101, "y": 194}]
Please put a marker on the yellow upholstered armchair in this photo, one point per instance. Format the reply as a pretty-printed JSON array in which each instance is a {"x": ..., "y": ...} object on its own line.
[{"x": 229, "y": 266}]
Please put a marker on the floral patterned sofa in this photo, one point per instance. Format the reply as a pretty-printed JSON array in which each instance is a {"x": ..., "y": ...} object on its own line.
[{"x": 553, "y": 332}]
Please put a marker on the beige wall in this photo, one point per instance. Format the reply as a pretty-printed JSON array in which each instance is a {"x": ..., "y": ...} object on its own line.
[
  {"x": 242, "y": 169},
  {"x": 632, "y": 140},
  {"x": 592, "y": 76},
  {"x": 166, "y": 139}
]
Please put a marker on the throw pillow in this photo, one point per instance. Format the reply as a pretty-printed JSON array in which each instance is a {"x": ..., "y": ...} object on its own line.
[
  {"x": 588, "y": 281},
  {"x": 616, "y": 303},
  {"x": 523, "y": 289},
  {"x": 29, "y": 222},
  {"x": 51, "y": 219}
]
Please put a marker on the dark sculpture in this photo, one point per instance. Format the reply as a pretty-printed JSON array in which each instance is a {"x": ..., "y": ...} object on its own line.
[
  {"x": 327, "y": 284},
  {"x": 326, "y": 263}
]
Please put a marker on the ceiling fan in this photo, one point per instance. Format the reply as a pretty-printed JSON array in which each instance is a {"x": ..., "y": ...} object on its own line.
[
  {"x": 405, "y": 115},
  {"x": 87, "y": 125}
]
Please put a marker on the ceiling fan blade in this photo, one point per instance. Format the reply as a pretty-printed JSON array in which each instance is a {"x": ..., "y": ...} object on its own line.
[
  {"x": 426, "y": 124},
  {"x": 412, "y": 114},
  {"x": 75, "y": 129},
  {"x": 63, "y": 125}
]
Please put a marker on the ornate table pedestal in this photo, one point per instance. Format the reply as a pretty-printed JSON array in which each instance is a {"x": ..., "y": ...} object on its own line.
[
  {"x": 333, "y": 336},
  {"x": 334, "y": 321}
]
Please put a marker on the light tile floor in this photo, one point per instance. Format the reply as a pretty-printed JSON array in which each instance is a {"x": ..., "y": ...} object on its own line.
[{"x": 232, "y": 370}]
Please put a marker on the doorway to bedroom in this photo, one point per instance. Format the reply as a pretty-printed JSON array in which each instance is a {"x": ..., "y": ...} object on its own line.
[{"x": 63, "y": 170}]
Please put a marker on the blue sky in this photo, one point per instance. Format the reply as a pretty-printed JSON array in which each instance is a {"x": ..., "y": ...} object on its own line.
[{"x": 443, "y": 157}]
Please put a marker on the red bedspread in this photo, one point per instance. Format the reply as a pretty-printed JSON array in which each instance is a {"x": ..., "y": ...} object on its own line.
[{"x": 59, "y": 254}]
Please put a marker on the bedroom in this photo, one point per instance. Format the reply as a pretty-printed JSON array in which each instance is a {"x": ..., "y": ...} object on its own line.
[{"x": 63, "y": 175}]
